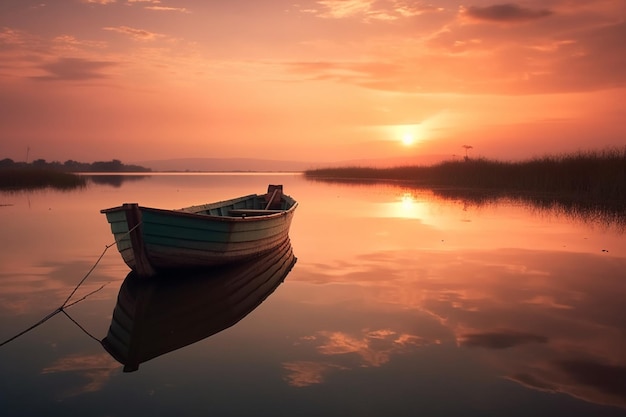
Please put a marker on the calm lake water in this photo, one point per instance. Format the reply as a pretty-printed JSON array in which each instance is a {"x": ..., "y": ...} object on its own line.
[{"x": 401, "y": 303}]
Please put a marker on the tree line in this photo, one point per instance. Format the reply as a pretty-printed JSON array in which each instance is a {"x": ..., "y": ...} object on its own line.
[{"x": 70, "y": 165}]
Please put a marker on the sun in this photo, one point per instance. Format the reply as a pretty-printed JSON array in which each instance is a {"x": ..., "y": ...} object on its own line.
[
  {"x": 407, "y": 135},
  {"x": 408, "y": 139}
]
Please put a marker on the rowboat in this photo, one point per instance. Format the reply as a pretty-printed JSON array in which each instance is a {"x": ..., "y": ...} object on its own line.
[
  {"x": 152, "y": 240},
  {"x": 176, "y": 309}
]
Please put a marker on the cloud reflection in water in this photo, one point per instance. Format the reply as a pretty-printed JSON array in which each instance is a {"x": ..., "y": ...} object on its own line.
[{"x": 552, "y": 321}]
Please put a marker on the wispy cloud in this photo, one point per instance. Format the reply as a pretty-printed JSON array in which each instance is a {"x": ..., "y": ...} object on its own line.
[
  {"x": 104, "y": 2},
  {"x": 508, "y": 13},
  {"x": 305, "y": 373},
  {"x": 12, "y": 38},
  {"x": 373, "y": 348},
  {"x": 147, "y": 4},
  {"x": 71, "y": 43},
  {"x": 137, "y": 34},
  {"x": 74, "y": 69},
  {"x": 338, "y": 9},
  {"x": 502, "y": 339},
  {"x": 368, "y": 10},
  {"x": 167, "y": 9},
  {"x": 96, "y": 369}
]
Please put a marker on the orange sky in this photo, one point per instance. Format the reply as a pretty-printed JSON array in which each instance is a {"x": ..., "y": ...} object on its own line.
[{"x": 318, "y": 81}]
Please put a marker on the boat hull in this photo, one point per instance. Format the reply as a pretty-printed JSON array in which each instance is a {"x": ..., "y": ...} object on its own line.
[{"x": 152, "y": 240}]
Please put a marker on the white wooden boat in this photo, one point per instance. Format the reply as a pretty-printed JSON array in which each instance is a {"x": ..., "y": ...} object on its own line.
[{"x": 153, "y": 239}]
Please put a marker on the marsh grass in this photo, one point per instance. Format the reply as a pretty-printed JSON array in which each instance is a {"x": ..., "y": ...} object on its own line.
[
  {"x": 587, "y": 186},
  {"x": 14, "y": 179},
  {"x": 584, "y": 176}
]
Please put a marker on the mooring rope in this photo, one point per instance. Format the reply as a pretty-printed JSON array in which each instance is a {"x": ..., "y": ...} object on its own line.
[
  {"x": 79, "y": 326},
  {"x": 66, "y": 303}
]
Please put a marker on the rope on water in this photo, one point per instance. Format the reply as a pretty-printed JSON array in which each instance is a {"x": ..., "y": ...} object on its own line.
[
  {"x": 40, "y": 322},
  {"x": 80, "y": 327},
  {"x": 66, "y": 303}
]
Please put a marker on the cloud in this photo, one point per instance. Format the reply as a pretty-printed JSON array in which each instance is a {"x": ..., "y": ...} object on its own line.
[
  {"x": 368, "y": 10},
  {"x": 71, "y": 43},
  {"x": 167, "y": 9},
  {"x": 487, "y": 59},
  {"x": 596, "y": 59},
  {"x": 74, "y": 69},
  {"x": 137, "y": 34},
  {"x": 501, "y": 339},
  {"x": 590, "y": 379},
  {"x": 95, "y": 369},
  {"x": 607, "y": 378},
  {"x": 337, "y": 9},
  {"x": 305, "y": 373},
  {"x": 508, "y": 13},
  {"x": 104, "y": 2},
  {"x": 372, "y": 348}
]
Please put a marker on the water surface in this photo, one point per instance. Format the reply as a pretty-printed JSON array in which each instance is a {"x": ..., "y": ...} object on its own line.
[{"x": 402, "y": 302}]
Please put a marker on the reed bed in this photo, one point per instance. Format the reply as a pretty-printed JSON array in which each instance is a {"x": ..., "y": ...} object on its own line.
[
  {"x": 13, "y": 179},
  {"x": 592, "y": 175}
]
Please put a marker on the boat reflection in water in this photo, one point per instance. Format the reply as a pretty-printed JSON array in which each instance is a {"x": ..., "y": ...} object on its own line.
[{"x": 167, "y": 312}]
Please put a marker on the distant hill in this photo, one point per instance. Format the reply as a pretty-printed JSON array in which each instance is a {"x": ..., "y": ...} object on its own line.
[
  {"x": 267, "y": 165},
  {"x": 224, "y": 164}
]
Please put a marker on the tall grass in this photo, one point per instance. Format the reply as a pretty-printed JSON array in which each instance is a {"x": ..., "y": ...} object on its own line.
[
  {"x": 13, "y": 179},
  {"x": 592, "y": 175}
]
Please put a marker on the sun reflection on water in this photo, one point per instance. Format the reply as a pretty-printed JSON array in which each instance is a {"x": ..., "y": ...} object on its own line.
[{"x": 405, "y": 206}]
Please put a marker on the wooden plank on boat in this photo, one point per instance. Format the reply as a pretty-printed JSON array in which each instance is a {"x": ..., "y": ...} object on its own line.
[{"x": 252, "y": 212}]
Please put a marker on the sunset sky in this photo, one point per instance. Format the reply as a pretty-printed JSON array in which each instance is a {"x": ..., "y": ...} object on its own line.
[{"x": 322, "y": 81}]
